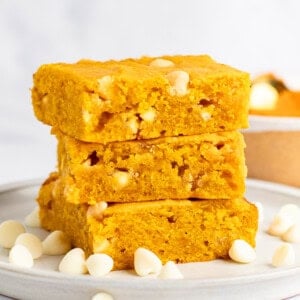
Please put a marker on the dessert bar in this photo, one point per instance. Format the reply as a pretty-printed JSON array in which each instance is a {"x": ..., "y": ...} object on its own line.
[
  {"x": 141, "y": 99},
  {"x": 180, "y": 231},
  {"x": 209, "y": 166}
]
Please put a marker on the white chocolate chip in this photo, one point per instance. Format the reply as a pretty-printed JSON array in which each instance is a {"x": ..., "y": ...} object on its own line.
[
  {"x": 292, "y": 212},
  {"x": 179, "y": 81},
  {"x": 87, "y": 116},
  {"x": 292, "y": 235},
  {"x": 205, "y": 116},
  {"x": 97, "y": 210},
  {"x": 170, "y": 271},
  {"x": 105, "y": 82},
  {"x": 189, "y": 179},
  {"x": 284, "y": 255},
  {"x": 263, "y": 96},
  {"x": 279, "y": 225},
  {"x": 9, "y": 231},
  {"x": 146, "y": 262},
  {"x": 149, "y": 115},
  {"x": 99, "y": 264},
  {"x": 33, "y": 219},
  {"x": 121, "y": 178},
  {"x": 100, "y": 246},
  {"x": 96, "y": 100},
  {"x": 133, "y": 125},
  {"x": 240, "y": 251},
  {"x": 87, "y": 162},
  {"x": 102, "y": 296},
  {"x": 260, "y": 210},
  {"x": 104, "y": 85},
  {"x": 287, "y": 216},
  {"x": 31, "y": 242},
  {"x": 20, "y": 256},
  {"x": 56, "y": 243},
  {"x": 189, "y": 186},
  {"x": 161, "y": 63},
  {"x": 73, "y": 262}
]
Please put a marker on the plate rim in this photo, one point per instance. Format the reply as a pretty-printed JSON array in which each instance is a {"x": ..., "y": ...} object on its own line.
[{"x": 151, "y": 282}]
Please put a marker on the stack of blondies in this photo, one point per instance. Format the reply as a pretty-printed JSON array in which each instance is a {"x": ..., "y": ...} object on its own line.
[{"x": 149, "y": 155}]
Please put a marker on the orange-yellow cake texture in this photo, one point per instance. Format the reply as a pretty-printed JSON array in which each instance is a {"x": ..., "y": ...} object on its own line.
[
  {"x": 139, "y": 99},
  {"x": 155, "y": 138},
  {"x": 209, "y": 166},
  {"x": 272, "y": 152},
  {"x": 181, "y": 230}
]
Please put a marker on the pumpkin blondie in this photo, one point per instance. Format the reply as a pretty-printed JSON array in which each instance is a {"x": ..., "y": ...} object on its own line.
[
  {"x": 181, "y": 231},
  {"x": 142, "y": 98},
  {"x": 210, "y": 166}
]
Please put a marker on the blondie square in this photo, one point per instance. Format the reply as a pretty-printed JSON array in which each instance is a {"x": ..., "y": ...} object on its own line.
[
  {"x": 141, "y": 99},
  {"x": 210, "y": 166},
  {"x": 181, "y": 231}
]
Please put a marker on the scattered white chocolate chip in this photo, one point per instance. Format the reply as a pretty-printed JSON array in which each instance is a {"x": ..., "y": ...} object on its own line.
[
  {"x": 31, "y": 242},
  {"x": 97, "y": 210},
  {"x": 73, "y": 262},
  {"x": 179, "y": 81},
  {"x": 161, "y": 63},
  {"x": 9, "y": 231},
  {"x": 99, "y": 264},
  {"x": 102, "y": 296},
  {"x": 146, "y": 262},
  {"x": 170, "y": 271},
  {"x": 263, "y": 96},
  {"x": 205, "y": 116},
  {"x": 260, "y": 210},
  {"x": 284, "y": 255},
  {"x": 20, "y": 256},
  {"x": 33, "y": 219},
  {"x": 56, "y": 243},
  {"x": 292, "y": 235},
  {"x": 242, "y": 252},
  {"x": 148, "y": 115},
  {"x": 292, "y": 211},
  {"x": 121, "y": 178},
  {"x": 279, "y": 225}
]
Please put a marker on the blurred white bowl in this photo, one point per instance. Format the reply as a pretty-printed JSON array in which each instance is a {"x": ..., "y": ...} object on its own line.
[{"x": 273, "y": 149}]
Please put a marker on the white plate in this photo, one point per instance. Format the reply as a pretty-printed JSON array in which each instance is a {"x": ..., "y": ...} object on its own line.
[{"x": 208, "y": 280}]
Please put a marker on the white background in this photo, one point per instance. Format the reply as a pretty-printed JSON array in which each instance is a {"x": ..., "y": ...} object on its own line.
[{"x": 253, "y": 35}]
